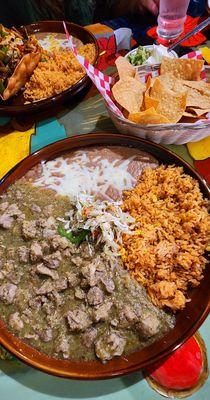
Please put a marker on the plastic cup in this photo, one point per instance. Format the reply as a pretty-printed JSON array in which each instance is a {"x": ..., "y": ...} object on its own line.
[{"x": 172, "y": 15}]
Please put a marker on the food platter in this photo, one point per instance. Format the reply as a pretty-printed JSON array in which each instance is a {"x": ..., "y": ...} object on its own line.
[
  {"x": 45, "y": 32},
  {"x": 187, "y": 320}
]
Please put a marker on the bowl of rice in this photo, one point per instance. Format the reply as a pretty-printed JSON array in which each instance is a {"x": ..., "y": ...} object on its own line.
[{"x": 58, "y": 76}]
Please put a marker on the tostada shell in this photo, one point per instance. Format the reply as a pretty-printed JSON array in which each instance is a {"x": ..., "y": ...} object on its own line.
[{"x": 21, "y": 74}]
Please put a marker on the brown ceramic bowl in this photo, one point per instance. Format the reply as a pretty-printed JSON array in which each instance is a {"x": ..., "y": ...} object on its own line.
[
  {"x": 15, "y": 105},
  {"x": 187, "y": 321}
]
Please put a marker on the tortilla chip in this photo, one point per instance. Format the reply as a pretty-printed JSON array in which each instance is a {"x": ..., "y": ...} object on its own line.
[
  {"x": 135, "y": 117},
  {"x": 181, "y": 68},
  {"x": 201, "y": 86},
  {"x": 198, "y": 85},
  {"x": 129, "y": 94},
  {"x": 171, "y": 104},
  {"x": 148, "y": 83},
  {"x": 21, "y": 74},
  {"x": 198, "y": 111},
  {"x": 150, "y": 101},
  {"x": 178, "y": 87},
  {"x": 190, "y": 120},
  {"x": 147, "y": 117},
  {"x": 154, "y": 119},
  {"x": 195, "y": 99},
  {"x": 190, "y": 115},
  {"x": 124, "y": 68},
  {"x": 170, "y": 82},
  {"x": 198, "y": 92}
]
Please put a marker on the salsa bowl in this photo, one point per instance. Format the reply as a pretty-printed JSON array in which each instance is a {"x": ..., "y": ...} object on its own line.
[{"x": 133, "y": 52}]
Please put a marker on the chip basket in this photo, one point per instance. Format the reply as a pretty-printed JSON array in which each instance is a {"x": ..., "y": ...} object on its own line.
[
  {"x": 165, "y": 134},
  {"x": 179, "y": 133}
]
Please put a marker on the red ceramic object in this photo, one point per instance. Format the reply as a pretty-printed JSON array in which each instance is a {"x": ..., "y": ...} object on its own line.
[
  {"x": 203, "y": 168},
  {"x": 182, "y": 369}
]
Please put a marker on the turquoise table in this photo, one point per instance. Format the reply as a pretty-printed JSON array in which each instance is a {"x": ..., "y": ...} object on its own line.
[{"x": 20, "y": 382}]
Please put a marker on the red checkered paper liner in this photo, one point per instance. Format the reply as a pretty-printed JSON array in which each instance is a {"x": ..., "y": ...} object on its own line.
[
  {"x": 101, "y": 81},
  {"x": 104, "y": 82},
  {"x": 193, "y": 55},
  {"x": 196, "y": 55}
]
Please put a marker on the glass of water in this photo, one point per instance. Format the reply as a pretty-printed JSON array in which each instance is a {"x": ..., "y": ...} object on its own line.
[{"x": 172, "y": 15}]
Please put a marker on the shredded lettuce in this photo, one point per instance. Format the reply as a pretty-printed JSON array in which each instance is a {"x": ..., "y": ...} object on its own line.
[{"x": 105, "y": 221}]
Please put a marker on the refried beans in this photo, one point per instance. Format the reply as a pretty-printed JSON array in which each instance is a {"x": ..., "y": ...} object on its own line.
[{"x": 100, "y": 171}]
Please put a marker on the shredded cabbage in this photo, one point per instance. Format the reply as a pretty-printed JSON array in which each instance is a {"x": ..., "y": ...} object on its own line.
[{"x": 105, "y": 220}]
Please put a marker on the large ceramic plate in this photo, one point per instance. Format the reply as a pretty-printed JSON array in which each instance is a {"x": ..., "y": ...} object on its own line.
[
  {"x": 42, "y": 30},
  {"x": 187, "y": 321}
]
